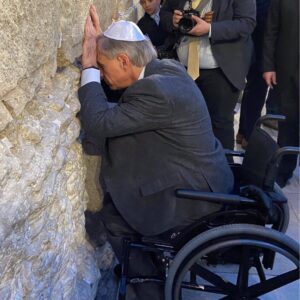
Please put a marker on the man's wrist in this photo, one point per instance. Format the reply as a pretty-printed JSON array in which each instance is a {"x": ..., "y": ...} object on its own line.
[
  {"x": 90, "y": 67},
  {"x": 89, "y": 53},
  {"x": 90, "y": 75}
]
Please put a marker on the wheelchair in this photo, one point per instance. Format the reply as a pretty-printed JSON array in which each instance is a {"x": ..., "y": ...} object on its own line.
[{"x": 247, "y": 235}]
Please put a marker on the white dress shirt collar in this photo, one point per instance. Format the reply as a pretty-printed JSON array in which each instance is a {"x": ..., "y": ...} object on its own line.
[{"x": 142, "y": 74}]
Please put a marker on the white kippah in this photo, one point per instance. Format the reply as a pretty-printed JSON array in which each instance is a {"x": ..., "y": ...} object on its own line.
[{"x": 124, "y": 31}]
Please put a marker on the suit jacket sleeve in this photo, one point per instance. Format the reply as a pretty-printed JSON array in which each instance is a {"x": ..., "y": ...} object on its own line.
[
  {"x": 241, "y": 25},
  {"x": 270, "y": 37},
  {"x": 144, "y": 109},
  {"x": 166, "y": 16}
]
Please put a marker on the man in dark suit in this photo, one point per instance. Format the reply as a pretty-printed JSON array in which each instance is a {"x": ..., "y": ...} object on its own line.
[
  {"x": 224, "y": 54},
  {"x": 156, "y": 139},
  {"x": 281, "y": 66},
  {"x": 256, "y": 89}
]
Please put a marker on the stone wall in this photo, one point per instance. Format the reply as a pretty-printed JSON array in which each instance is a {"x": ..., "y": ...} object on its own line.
[{"x": 44, "y": 253}]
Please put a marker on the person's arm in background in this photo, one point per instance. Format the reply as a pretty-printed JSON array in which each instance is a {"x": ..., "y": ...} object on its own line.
[
  {"x": 241, "y": 25},
  {"x": 167, "y": 15},
  {"x": 269, "y": 46}
]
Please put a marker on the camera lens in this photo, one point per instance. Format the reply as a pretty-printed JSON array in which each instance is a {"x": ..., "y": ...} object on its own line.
[{"x": 186, "y": 24}]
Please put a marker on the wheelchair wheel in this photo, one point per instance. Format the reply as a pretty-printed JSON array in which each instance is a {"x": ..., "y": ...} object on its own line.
[{"x": 244, "y": 248}]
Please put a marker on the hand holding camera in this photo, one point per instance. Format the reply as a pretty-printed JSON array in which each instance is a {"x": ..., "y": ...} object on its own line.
[{"x": 189, "y": 22}]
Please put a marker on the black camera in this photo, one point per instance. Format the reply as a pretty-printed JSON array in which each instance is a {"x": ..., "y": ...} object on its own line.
[{"x": 187, "y": 23}]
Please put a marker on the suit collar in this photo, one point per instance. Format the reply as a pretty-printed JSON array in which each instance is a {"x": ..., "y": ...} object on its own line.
[
  {"x": 151, "y": 67},
  {"x": 142, "y": 74},
  {"x": 216, "y": 7}
]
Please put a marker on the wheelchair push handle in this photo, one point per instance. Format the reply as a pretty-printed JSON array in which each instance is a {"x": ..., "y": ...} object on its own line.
[
  {"x": 288, "y": 150},
  {"x": 264, "y": 118}
]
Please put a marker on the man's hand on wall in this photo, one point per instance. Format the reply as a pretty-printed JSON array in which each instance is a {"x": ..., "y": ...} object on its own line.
[
  {"x": 201, "y": 27},
  {"x": 92, "y": 30}
]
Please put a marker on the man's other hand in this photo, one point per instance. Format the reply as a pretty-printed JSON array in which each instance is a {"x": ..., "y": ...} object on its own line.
[
  {"x": 270, "y": 78},
  {"x": 201, "y": 27},
  {"x": 92, "y": 30}
]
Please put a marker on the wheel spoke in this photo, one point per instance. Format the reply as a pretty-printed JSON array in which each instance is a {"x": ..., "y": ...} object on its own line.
[
  {"x": 260, "y": 269},
  {"x": 193, "y": 277},
  {"x": 213, "y": 278},
  {"x": 273, "y": 283},
  {"x": 243, "y": 275}
]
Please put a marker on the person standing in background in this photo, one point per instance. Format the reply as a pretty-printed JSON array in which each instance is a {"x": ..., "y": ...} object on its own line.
[
  {"x": 150, "y": 26},
  {"x": 217, "y": 53},
  {"x": 256, "y": 89},
  {"x": 281, "y": 68}
]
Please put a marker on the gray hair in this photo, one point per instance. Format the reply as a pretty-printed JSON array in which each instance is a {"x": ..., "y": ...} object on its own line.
[{"x": 140, "y": 53}]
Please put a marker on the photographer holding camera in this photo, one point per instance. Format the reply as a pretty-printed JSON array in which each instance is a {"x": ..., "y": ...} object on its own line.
[{"x": 214, "y": 43}]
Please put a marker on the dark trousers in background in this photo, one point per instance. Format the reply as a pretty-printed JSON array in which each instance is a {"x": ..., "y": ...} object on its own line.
[
  {"x": 220, "y": 97},
  {"x": 253, "y": 101},
  {"x": 272, "y": 103},
  {"x": 288, "y": 131},
  {"x": 141, "y": 263}
]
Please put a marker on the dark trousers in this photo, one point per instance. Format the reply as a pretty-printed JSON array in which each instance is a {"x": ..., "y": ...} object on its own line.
[
  {"x": 220, "y": 97},
  {"x": 272, "y": 103},
  {"x": 288, "y": 131},
  {"x": 253, "y": 100},
  {"x": 141, "y": 263}
]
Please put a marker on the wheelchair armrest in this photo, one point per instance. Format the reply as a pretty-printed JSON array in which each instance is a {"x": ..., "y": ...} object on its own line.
[{"x": 214, "y": 197}]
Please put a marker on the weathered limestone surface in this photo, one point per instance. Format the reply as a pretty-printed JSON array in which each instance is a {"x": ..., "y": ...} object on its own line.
[{"x": 44, "y": 252}]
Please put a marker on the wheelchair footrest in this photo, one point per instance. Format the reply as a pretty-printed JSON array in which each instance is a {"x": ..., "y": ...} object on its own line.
[{"x": 138, "y": 280}]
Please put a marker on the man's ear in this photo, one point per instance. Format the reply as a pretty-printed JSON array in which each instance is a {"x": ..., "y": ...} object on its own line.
[{"x": 123, "y": 60}]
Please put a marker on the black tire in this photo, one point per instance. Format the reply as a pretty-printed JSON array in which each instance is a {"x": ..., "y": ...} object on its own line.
[{"x": 229, "y": 236}]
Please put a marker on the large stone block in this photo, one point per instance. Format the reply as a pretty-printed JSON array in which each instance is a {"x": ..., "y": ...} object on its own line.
[
  {"x": 29, "y": 34},
  {"x": 43, "y": 201},
  {"x": 5, "y": 116}
]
